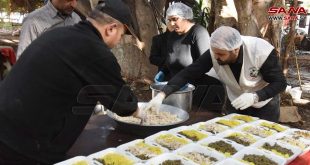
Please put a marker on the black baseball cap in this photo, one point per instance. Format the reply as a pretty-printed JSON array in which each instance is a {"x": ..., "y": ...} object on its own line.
[{"x": 118, "y": 10}]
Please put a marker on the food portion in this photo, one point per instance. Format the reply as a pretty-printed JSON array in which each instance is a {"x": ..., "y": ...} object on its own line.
[
  {"x": 214, "y": 128},
  {"x": 258, "y": 160},
  {"x": 223, "y": 147},
  {"x": 279, "y": 150},
  {"x": 302, "y": 134},
  {"x": 243, "y": 139},
  {"x": 170, "y": 141},
  {"x": 82, "y": 162},
  {"x": 258, "y": 131},
  {"x": 274, "y": 126},
  {"x": 144, "y": 151},
  {"x": 115, "y": 158},
  {"x": 200, "y": 158},
  {"x": 244, "y": 118},
  {"x": 172, "y": 162},
  {"x": 194, "y": 135},
  {"x": 293, "y": 141},
  {"x": 229, "y": 123}
]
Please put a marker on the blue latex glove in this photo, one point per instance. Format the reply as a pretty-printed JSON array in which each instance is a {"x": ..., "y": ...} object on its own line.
[
  {"x": 184, "y": 87},
  {"x": 159, "y": 77}
]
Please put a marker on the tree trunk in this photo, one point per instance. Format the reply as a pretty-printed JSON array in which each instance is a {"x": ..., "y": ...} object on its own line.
[
  {"x": 289, "y": 47},
  {"x": 270, "y": 30},
  {"x": 246, "y": 19},
  {"x": 222, "y": 17},
  {"x": 135, "y": 63}
]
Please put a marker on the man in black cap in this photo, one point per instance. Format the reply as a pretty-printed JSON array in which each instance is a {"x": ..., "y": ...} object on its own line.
[{"x": 47, "y": 99}]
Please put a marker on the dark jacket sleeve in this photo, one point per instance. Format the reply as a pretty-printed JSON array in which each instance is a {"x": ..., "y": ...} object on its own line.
[
  {"x": 105, "y": 75},
  {"x": 190, "y": 73},
  {"x": 272, "y": 73},
  {"x": 157, "y": 54}
]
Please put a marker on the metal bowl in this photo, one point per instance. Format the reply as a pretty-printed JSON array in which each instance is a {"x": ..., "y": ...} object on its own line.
[{"x": 145, "y": 130}]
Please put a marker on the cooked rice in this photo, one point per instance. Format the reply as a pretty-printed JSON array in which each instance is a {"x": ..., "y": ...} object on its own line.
[{"x": 152, "y": 117}]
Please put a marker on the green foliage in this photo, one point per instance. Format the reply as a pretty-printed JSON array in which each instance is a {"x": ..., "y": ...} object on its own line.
[
  {"x": 4, "y": 5},
  {"x": 201, "y": 13}
]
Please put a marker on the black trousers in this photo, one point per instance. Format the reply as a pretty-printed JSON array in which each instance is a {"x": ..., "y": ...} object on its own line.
[
  {"x": 209, "y": 93},
  {"x": 271, "y": 111}
]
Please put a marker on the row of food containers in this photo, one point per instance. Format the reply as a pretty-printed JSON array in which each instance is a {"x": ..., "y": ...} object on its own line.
[{"x": 232, "y": 139}]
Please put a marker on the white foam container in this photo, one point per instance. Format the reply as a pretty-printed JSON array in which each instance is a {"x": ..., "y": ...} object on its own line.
[
  {"x": 183, "y": 128},
  {"x": 125, "y": 146},
  {"x": 229, "y": 132},
  {"x": 213, "y": 139},
  {"x": 102, "y": 153},
  {"x": 168, "y": 156},
  {"x": 301, "y": 140},
  {"x": 255, "y": 151},
  {"x": 75, "y": 160},
  {"x": 259, "y": 122},
  {"x": 201, "y": 124},
  {"x": 296, "y": 151},
  {"x": 152, "y": 139},
  {"x": 241, "y": 128},
  {"x": 230, "y": 161},
  {"x": 232, "y": 115},
  {"x": 293, "y": 130},
  {"x": 193, "y": 147}
]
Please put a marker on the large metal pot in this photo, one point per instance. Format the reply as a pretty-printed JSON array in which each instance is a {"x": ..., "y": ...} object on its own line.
[
  {"x": 145, "y": 130},
  {"x": 181, "y": 99}
]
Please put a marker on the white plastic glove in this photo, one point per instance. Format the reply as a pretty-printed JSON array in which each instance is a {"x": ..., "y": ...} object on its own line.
[
  {"x": 155, "y": 102},
  {"x": 139, "y": 113},
  {"x": 244, "y": 101}
]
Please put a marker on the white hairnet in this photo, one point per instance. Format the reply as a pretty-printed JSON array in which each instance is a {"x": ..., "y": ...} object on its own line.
[
  {"x": 225, "y": 38},
  {"x": 181, "y": 10}
]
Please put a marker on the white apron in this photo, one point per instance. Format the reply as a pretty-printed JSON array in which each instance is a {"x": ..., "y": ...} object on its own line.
[{"x": 255, "y": 53}]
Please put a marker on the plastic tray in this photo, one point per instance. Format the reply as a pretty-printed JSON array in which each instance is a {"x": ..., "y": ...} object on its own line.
[
  {"x": 259, "y": 128},
  {"x": 296, "y": 151},
  {"x": 183, "y": 128},
  {"x": 233, "y": 115},
  {"x": 152, "y": 139},
  {"x": 255, "y": 151},
  {"x": 229, "y": 132},
  {"x": 102, "y": 153},
  {"x": 193, "y": 147},
  {"x": 74, "y": 160},
  {"x": 125, "y": 146},
  {"x": 213, "y": 139},
  {"x": 168, "y": 156}
]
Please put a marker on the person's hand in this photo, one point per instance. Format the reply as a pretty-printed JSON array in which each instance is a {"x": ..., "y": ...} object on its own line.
[
  {"x": 244, "y": 101},
  {"x": 159, "y": 77},
  {"x": 139, "y": 113},
  {"x": 155, "y": 102}
]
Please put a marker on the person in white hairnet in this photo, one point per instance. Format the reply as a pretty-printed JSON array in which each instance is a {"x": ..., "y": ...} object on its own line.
[
  {"x": 185, "y": 45},
  {"x": 249, "y": 68}
]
